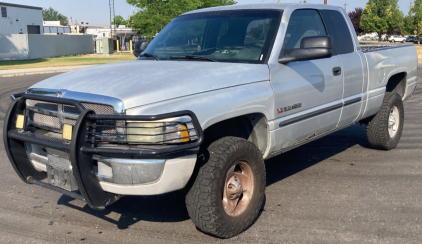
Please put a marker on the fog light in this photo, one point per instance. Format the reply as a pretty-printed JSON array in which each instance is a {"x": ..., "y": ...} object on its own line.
[
  {"x": 67, "y": 132},
  {"x": 20, "y": 121}
]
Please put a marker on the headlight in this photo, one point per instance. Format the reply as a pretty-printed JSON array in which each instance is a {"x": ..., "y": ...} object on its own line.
[{"x": 156, "y": 133}]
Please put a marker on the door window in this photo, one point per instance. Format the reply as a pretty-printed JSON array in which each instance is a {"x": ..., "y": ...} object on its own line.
[
  {"x": 339, "y": 31},
  {"x": 303, "y": 23}
]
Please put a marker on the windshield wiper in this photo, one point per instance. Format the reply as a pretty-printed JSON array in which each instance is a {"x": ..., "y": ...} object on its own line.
[
  {"x": 149, "y": 55},
  {"x": 192, "y": 57}
]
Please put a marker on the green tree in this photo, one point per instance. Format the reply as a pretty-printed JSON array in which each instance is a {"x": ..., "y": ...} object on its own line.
[
  {"x": 118, "y": 20},
  {"x": 155, "y": 14},
  {"x": 381, "y": 16},
  {"x": 50, "y": 14},
  {"x": 413, "y": 21},
  {"x": 355, "y": 17},
  {"x": 214, "y": 3}
]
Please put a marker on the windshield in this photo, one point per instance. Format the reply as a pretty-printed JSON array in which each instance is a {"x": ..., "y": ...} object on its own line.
[{"x": 225, "y": 36}]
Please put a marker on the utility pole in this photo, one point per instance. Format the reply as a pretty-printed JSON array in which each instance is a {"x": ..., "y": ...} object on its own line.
[
  {"x": 345, "y": 6},
  {"x": 112, "y": 15},
  {"x": 325, "y": 1}
]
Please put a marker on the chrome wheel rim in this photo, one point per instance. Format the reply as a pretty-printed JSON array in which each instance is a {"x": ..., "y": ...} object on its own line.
[
  {"x": 393, "y": 121},
  {"x": 238, "y": 188}
]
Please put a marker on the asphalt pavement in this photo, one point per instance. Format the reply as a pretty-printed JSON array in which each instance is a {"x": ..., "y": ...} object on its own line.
[{"x": 333, "y": 190}]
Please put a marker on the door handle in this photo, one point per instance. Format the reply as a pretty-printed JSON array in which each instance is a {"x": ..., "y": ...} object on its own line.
[{"x": 337, "y": 71}]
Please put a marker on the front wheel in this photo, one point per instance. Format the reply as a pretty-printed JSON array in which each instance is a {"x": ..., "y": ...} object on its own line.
[
  {"x": 393, "y": 41},
  {"x": 385, "y": 128},
  {"x": 228, "y": 192}
]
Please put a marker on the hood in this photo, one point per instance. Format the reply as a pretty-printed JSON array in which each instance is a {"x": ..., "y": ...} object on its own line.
[{"x": 142, "y": 82}]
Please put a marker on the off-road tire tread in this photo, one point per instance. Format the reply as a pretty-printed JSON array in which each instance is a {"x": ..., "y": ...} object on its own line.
[
  {"x": 203, "y": 206},
  {"x": 377, "y": 128}
]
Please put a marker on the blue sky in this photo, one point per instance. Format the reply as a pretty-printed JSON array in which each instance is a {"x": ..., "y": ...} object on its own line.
[{"x": 96, "y": 12}]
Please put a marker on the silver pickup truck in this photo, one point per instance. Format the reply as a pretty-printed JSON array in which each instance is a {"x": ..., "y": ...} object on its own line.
[{"x": 214, "y": 94}]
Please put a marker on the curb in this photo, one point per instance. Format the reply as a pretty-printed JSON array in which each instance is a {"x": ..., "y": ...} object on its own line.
[
  {"x": 39, "y": 72},
  {"x": 35, "y": 73}
]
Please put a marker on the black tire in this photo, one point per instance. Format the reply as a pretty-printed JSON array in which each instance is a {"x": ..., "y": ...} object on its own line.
[
  {"x": 204, "y": 200},
  {"x": 377, "y": 129}
]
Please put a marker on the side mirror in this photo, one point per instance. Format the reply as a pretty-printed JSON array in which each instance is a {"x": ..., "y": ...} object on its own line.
[
  {"x": 313, "y": 47},
  {"x": 140, "y": 46}
]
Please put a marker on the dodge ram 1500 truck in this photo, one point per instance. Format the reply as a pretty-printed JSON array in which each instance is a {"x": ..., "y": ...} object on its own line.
[{"x": 214, "y": 94}]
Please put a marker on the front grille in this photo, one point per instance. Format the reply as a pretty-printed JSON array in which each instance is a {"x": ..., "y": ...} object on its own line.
[
  {"x": 70, "y": 109},
  {"x": 42, "y": 105},
  {"x": 46, "y": 115},
  {"x": 70, "y": 121},
  {"x": 97, "y": 108},
  {"x": 45, "y": 120}
]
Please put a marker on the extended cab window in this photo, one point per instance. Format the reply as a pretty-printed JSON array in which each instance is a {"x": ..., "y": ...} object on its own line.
[
  {"x": 339, "y": 31},
  {"x": 226, "y": 36},
  {"x": 303, "y": 23}
]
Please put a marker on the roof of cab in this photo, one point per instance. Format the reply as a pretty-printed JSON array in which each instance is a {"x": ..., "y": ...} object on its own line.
[{"x": 276, "y": 6}]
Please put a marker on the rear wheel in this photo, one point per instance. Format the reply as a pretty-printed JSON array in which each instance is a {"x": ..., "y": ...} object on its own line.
[
  {"x": 385, "y": 128},
  {"x": 228, "y": 192}
]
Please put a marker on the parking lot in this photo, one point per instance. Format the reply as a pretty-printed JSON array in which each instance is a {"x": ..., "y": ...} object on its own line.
[{"x": 333, "y": 190}]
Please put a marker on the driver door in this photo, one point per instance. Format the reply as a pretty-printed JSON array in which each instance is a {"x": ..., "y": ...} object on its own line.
[{"x": 308, "y": 94}]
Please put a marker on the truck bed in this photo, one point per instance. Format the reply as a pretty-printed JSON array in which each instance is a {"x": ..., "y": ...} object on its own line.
[
  {"x": 383, "y": 62},
  {"x": 372, "y": 48}
]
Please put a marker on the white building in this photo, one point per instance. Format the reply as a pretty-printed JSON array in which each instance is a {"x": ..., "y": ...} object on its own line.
[
  {"x": 20, "y": 19},
  {"x": 99, "y": 32},
  {"x": 55, "y": 27}
]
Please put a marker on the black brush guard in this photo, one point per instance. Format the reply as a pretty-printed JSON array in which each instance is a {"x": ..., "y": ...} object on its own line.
[{"x": 80, "y": 150}]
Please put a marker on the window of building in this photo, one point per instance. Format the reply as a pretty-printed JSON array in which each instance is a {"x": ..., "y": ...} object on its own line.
[{"x": 4, "y": 12}]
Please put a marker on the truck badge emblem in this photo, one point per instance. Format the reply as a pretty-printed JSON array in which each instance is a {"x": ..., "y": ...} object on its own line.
[
  {"x": 288, "y": 108},
  {"x": 59, "y": 94}
]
